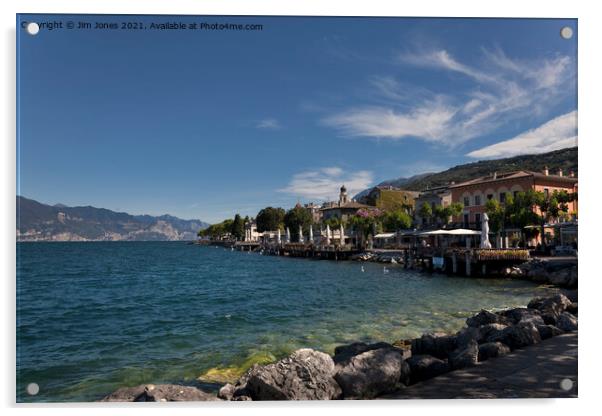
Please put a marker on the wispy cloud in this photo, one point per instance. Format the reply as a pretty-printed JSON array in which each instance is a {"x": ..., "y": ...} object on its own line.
[
  {"x": 499, "y": 89},
  {"x": 268, "y": 124},
  {"x": 324, "y": 184},
  {"x": 558, "y": 133}
]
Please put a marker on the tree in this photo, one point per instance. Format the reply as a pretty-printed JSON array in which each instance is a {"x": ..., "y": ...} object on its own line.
[
  {"x": 217, "y": 231},
  {"x": 238, "y": 227},
  {"x": 444, "y": 214},
  {"x": 364, "y": 222},
  {"x": 333, "y": 222},
  {"x": 270, "y": 219},
  {"x": 295, "y": 218},
  {"x": 425, "y": 211},
  {"x": 396, "y": 220}
]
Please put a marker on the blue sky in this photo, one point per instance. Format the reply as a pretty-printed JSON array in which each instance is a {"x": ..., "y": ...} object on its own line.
[{"x": 204, "y": 124}]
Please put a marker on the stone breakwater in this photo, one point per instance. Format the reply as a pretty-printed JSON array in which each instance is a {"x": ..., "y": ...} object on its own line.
[
  {"x": 558, "y": 273},
  {"x": 366, "y": 371}
]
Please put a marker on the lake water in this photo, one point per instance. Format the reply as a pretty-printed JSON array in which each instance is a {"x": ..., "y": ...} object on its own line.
[{"x": 93, "y": 317}]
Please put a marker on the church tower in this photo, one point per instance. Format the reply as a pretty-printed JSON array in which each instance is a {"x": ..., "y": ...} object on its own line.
[{"x": 343, "y": 196}]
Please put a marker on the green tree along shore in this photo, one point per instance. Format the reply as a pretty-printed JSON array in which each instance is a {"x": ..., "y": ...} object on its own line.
[{"x": 531, "y": 208}]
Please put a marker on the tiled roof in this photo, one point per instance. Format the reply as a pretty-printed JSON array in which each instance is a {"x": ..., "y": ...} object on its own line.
[{"x": 514, "y": 175}]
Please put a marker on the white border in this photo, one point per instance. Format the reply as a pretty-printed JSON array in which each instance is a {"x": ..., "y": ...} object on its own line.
[{"x": 590, "y": 69}]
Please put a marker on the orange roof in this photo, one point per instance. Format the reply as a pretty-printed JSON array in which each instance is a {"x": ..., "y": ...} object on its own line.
[{"x": 513, "y": 175}]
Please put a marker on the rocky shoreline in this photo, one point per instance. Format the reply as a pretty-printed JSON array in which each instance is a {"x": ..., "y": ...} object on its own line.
[{"x": 367, "y": 371}]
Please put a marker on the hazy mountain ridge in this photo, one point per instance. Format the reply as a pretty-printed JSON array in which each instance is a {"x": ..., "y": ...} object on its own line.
[
  {"x": 42, "y": 222},
  {"x": 565, "y": 159}
]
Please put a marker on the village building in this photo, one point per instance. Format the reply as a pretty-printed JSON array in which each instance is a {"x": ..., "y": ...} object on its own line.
[
  {"x": 474, "y": 194},
  {"x": 251, "y": 233},
  {"x": 389, "y": 198},
  {"x": 315, "y": 212},
  {"x": 343, "y": 209},
  {"x": 440, "y": 196}
]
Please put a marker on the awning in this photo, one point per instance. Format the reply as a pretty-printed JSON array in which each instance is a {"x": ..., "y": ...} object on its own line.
[
  {"x": 385, "y": 235},
  {"x": 459, "y": 231},
  {"x": 463, "y": 231}
]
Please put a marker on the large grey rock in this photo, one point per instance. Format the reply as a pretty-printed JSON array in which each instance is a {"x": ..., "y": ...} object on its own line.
[
  {"x": 406, "y": 373},
  {"x": 548, "y": 331},
  {"x": 370, "y": 373},
  {"x": 304, "y": 375},
  {"x": 468, "y": 334},
  {"x": 437, "y": 344},
  {"x": 160, "y": 393},
  {"x": 486, "y": 330},
  {"x": 573, "y": 308},
  {"x": 517, "y": 336},
  {"x": 125, "y": 394},
  {"x": 343, "y": 353},
  {"x": 423, "y": 367},
  {"x": 567, "y": 322},
  {"x": 550, "y": 307},
  {"x": 465, "y": 356},
  {"x": 226, "y": 392},
  {"x": 485, "y": 317},
  {"x": 525, "y": 315},
  {"x": 491, "y": 350}
]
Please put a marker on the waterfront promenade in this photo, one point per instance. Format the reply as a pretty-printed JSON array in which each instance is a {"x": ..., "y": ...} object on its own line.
[{"x": 533, "y": 372}]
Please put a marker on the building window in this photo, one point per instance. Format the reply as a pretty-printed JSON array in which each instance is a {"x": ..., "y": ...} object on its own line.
[
  {"x": 466, "y": 201},
  {"x": 477, "y": 220},
  {"x": 546, "y": 192},
  {"x": 502, "y": 197},
  {"x": 433, "y": 206},
  {"x": 465, "y": 220},
  {"x": 489, "y": 196},
  {"x": 515, "y": 194},
  {"x": 477, "y": 200}
]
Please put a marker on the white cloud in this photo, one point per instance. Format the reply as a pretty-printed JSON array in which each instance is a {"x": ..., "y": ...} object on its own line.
[
  {"x": 428, "y": 122},
  {"x": 324, "y": 184},
  {"x": 269, "y": 124},
  {"x": 500, "y": 90},
  {"x": 558, "y": 133}
]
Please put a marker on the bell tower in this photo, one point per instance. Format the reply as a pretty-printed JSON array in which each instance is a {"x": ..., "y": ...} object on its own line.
[{"x": 343, "y": 196}]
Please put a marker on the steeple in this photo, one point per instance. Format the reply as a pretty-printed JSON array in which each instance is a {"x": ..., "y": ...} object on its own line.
[{"x": 343, "y": 196}]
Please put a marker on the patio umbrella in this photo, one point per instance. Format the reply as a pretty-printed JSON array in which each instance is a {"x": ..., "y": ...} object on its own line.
[{"x": 485, "y": 232}]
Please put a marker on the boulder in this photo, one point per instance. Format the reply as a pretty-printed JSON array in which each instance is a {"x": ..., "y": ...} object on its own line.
[
  {"x": 486, "y": 330},
  {"x": 405, "y": 376},
  {"x": 465, "y": 356},
  {"x": 526, "y": 315},
  {"x": 491, "y": 350},
  {"x": 304, "y": 375},
  {"x": 468, "y": 334},
  {"x": 548, "y": 331},
  {"x": 370, "y": 373},
  {"x": 226, "y": 392},
  {"x": 125, "y": 394},
  {"x": 567, "y": 322},
  {"x": 160, "y": 393},
  {"x": 517, "y": 336},
  {"x": 174, "y": 393},
  {"x": 485, "y": 317},
  {"x": 423, "y": 367},
  {"x": 343, "y": 353},
  {"x": 550, "y": 307},
  {"x": 437, "y": 344}
]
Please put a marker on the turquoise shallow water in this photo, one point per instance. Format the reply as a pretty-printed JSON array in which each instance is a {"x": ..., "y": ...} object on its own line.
[{"x": 92, "y": 317}]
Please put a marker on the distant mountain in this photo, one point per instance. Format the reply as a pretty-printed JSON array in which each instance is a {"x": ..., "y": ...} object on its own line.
[
  {"x": 41, "y": 222},
  {"x": 566, "y": 159}
]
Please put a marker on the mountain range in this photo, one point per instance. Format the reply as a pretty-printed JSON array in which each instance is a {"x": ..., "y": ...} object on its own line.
[
  {"x": 565, "y": 159},
  {"x": 42, "y": 222}
]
